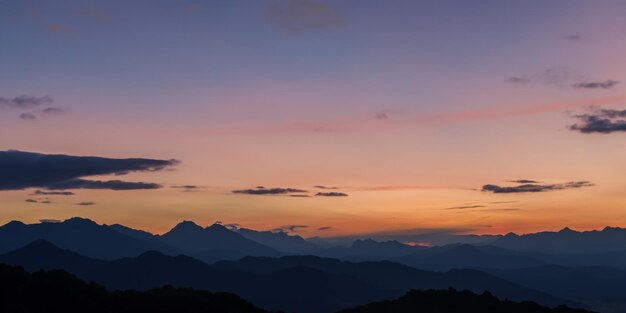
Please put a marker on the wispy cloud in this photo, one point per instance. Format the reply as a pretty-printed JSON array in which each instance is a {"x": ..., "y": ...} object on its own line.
[
  {"x": 28, "y": 116},
  {"x": 517, "y": 80},
  {"x": 290, "y": 228},
  {"x": 464, "y": 207},
  {"x": 25, "y": 102},
  {"x": 61, "y": 29},
  {"x": 324, "y": 187},
  {"x": 54, "y": 110},
  {"x": 260, "y": 190},
  {"x": 523, "y": 181},
  {"x": 529, "y": 188},
  {"x": 603, "y": 121},
  {"x": 572, "y": 37},
  {"x": 186, "y": 188},
  {"x": 607, "y": 84},
  {"x": 52, "y": 193},
  {"x": 85, "y": 203},
  {"x": 299, "y": 16},
  {"x": 331, "y": 194}
]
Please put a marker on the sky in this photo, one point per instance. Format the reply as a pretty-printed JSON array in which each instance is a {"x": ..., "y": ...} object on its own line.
[{"x": 336, "y": 117}]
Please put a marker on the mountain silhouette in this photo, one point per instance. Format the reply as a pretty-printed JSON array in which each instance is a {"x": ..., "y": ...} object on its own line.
[
  {"x": 566, "y": 241},
  {"x": 280, "y": 240},
  {"x": 467, "y": 256},
  {"x": 452, "y": 301},
  {"x": 76, "y": 234},
  {"x": 213, "y": 243},
  {"x": 302, "y": 284},
  {"x": 393, "y": 276},
  {"x": 109, "y": 242},
  {"x": 58, "y": 291},
  {"x": 599, "y": 288},
  {"x": 43, "y": 255},
  {"x": 367, "y": 249}
]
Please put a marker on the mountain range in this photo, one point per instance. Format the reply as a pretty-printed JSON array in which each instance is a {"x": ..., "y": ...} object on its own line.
[
  {"x": 298, "y": 283},
  {"x": 276, "y": 270},
  {"x": 59, "y": 291}
]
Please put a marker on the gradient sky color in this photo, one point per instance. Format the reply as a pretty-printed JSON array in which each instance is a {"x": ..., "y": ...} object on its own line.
[{"x": 409, "y": 107}]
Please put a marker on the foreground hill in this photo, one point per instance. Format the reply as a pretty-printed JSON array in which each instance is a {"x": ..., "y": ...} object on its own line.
[
  {"x": 452, "y": 301},
  {"x": 393, "y": 276},
  {"x": 599, "y": 288},
  {"x": 58, "y": 291},
  {"x": 302, "y": 284}
]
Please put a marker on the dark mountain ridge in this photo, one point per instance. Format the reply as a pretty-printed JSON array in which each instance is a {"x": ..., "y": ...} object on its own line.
[{"x": 303, "y": 284}]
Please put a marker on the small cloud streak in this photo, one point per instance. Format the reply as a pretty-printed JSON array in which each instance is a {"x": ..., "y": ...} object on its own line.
[
  {"x": 28, "y": 116},
  {"x": 85, "y": 203},
  {"x": 54, "y": 110},
  {"x": 604, "y": 121},
  {"x": 25, "y": 102},
  {"x": 52, "y": 193},
  {"x": 324, "y": 228},
  {"x": 186, "y": 188},
  {"x": 572, "y": 37},
  {"x": 532, "y": 188},
  {"x": 464, "y": 207},
  {"x": 517, "y": 80},
  {"x": 524, "y": 181},
  {"x": 298, "y": 16},
  {"x": 262, "y": 191},
  {"x": 325, "y": 187},
  {"x": 331, "y": 194},
  {"x": 61, "y": 29},
  {"x": 607, "y": 84},
  {"x": 290, "y": 228}
]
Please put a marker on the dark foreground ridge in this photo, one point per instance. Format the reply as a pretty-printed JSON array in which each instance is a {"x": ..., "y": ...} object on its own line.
[
  {"x": 58, "y": 291},
  {"x": 452, "y": 301}
]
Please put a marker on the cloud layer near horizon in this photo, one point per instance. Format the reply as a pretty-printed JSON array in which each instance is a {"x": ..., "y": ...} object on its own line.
[
  {"x": 22, "y": 170},
  {"x": 523, "y": 188}
]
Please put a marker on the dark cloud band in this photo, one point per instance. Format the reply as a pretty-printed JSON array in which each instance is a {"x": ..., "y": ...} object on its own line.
[
  {"x": 602, "y": 121},
  {"x": 22, "y": 170},
  {"x": 261, "y": 191},
  {"x": 525, "y": 188}
]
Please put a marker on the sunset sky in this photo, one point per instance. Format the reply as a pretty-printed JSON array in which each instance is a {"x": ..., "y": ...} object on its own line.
[{"x": 414, "y": 115}]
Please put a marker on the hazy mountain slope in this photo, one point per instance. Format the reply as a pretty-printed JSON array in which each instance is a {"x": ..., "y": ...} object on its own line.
[
  {"x": 394, "y": 276},
  {"x": 280, "y": 241},
  {"x": 467, "y": 256}
]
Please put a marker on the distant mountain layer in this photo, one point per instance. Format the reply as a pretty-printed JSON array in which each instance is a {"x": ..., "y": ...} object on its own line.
[
  {"x": 302, "y": 283},
  {"x": 116, "y": 241},
  {"x": 216, "y": 242},
  {"x": 468, "y": 256},
  {"x": 58, "y": 291},
  {"x": 567, "y": 241},
  {"x": 452, "y": 301}
]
